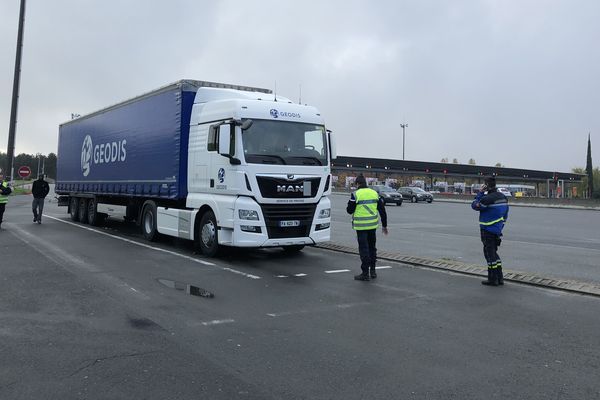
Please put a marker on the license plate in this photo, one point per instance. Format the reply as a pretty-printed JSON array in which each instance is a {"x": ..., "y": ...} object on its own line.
[{"x": 285, "y": 224}]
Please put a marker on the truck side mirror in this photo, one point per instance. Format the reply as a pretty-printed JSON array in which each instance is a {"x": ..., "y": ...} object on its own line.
[
  {"x": 332, "y": 145},
  {"x": 225, "y": 140}
]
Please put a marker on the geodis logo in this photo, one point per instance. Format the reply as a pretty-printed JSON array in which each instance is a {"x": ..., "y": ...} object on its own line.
[
  {"x": 276, "y": 114},
  {"x": 105, "y": 153}
]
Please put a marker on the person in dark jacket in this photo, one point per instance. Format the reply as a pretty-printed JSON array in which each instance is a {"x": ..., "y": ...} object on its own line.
[
  {"x": 365, "y": 205},
  {"x": 5, "y": 190},
  {"x": 39, "y": 190},
  {"x": 493, "y": 214}
]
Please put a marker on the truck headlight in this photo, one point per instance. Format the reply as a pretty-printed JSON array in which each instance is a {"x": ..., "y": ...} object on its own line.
[
  {"x": 325, "y": 213},
  {"x": 248, "y": 215}
]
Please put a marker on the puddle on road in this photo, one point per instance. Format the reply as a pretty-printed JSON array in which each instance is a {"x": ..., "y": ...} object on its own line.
[{"x": 186, "y": 287}]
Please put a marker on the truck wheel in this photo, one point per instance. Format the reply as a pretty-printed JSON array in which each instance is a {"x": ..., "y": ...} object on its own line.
[
  {"x": 207, "y": 235},
  {"x": 92, "y": 212},
  {"x": 82, "y": 210},
  {"x": 296, "y": 248},
  {"x": 149, "y": 229},
  {"x": 413, "y": 199},
  {"x": 74, "y": 208}
]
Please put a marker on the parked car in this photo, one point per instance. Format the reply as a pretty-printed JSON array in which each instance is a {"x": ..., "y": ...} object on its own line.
[
  {"x": 388, "y": 194},
  {"x": 415, "y": 194}
]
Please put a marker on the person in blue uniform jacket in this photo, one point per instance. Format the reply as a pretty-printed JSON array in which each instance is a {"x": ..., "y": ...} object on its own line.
[{"x": 493, "y": 214}]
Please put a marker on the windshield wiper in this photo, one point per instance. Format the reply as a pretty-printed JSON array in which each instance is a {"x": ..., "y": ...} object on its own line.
[
  {"x": 272, "y": 156},
  {"x": 319, "y": 162}
]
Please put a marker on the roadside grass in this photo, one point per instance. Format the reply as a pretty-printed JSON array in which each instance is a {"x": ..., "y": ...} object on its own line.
[{"x": 18, "y": 187}]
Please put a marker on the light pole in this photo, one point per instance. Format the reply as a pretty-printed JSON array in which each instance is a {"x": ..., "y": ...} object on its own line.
[
  {"x": 10, "y": 151},
  {"x": 403, "y": 126},
  {"x": 39, "y": 157}
]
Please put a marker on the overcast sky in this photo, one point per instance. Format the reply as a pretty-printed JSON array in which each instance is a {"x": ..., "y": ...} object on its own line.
[{"x": 515, "y": 82}]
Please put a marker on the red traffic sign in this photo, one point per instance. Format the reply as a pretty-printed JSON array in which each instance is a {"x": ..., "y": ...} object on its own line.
[{"x": 24, "y": 171}]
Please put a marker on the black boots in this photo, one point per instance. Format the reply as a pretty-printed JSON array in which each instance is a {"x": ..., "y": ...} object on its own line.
[
  {"x": 373, "y": 273},
  {"x": 362, "y": 277},
  {"x": 492, "y": 279},
  {"x": 500, "y": 275}
]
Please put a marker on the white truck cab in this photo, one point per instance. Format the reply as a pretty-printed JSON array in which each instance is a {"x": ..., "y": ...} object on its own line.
[{"x": 258, "y": 173}]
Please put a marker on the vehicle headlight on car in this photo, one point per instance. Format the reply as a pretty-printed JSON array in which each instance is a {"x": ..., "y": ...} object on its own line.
[
  {"x": 248, "y": 215},
  {"x": 325, "y": 213}
]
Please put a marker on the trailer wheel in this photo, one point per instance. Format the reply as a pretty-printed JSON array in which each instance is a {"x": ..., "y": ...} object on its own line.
[
  {"x": 82, "y": 210},
  {"x": 92, "y": 212},
  {"x": 207, "y": 235},
  {"x": 74, "y": 208},
  {"x": 149, "y": 229}
]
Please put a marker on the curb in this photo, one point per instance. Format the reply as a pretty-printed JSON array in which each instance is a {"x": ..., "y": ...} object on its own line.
[{"x": 526, "y": 278}]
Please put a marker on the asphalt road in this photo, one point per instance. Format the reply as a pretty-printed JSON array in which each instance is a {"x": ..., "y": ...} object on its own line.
[
  {"x": 84, "y": 315},
  {"x": 559, "y": 243}
]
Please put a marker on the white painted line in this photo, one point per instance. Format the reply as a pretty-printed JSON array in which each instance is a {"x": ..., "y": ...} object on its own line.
[
  {"x": 335, "y": 271},
  {"x": 281, "y": 276},
  {"x": 217, "y": 322},
  {"x": 384, "y": 267},
  {"x": 299, "y": 274},
  {"x": 196, "y": 260}
]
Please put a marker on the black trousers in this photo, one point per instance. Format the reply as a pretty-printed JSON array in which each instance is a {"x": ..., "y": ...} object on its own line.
[
  {"x": 2, "y": 207},
  {"x": 367, "y": 250},
  {"x": 491, "y": 242}
]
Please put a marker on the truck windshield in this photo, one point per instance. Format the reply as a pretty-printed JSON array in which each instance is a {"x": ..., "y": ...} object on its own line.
[{"x": 282, "y": 142}]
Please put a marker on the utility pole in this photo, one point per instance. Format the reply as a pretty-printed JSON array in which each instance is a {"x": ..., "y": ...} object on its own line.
[
  {"x": 15, "y": 96},
  {"x": 403, "y": 126}
]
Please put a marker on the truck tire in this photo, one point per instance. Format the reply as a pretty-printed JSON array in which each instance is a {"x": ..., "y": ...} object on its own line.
[
  {"x": 207, "y": 235},
  {"x": 148, "y": 222},
  {"x": 82, "y": 210},
  {"x": 74, "y": 208},
  {"x": 92, "y": 212},
  {"x": 296, "y": 248}
]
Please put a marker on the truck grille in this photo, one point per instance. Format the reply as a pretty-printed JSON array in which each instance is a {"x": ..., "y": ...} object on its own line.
[
  {"x": 278, "y": 188},
  {"x": 275, "y": 213}
]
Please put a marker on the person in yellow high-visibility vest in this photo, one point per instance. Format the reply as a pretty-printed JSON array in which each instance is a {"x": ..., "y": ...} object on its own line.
[
  {"x": 366, "y": 207},
  {"x": 5, "y": 190}
]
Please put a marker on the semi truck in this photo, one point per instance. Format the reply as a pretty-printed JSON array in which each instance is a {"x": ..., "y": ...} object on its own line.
[{"x": 218, "y": 164}]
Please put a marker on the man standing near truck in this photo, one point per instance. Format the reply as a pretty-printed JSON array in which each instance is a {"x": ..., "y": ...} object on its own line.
[
  {"x": 366, "y": 206},
  {"x": 493, "y": 213},
  {"x": 5, "y": 190},
  {"x": 39, "y": 190}
]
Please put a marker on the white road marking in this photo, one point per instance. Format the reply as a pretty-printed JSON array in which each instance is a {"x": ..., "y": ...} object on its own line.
[
  {"x": 384, "y": 267},
  {"x": 196, "y": 260},
  {"x": 335, "y": 271},
  {"x": 300, "y": 274},
  {"x": 281, "y": 276},
  {"x": 217, "y": 322}
]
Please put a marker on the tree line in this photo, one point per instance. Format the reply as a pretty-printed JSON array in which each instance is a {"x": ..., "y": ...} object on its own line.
[{"x": 47, "y": 164}]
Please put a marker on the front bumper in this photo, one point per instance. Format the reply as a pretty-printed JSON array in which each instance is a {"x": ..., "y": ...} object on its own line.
[{"x": 265, "y": 232}]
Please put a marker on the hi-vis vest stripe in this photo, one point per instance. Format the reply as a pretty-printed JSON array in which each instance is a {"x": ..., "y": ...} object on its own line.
[
  {"x": 3, "y": 198},
  {"x": 365, "y": 215},
  {"x": 501, "y": 219}
]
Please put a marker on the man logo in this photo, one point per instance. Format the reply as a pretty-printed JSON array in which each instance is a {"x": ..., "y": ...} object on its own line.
[
  {"x": 274, "y": 113},
  {"x": 86, "y": 155},
  {"x": 290, "y": 188}
]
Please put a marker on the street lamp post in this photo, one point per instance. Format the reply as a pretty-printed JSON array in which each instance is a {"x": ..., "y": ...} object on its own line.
[
  {"x": 403, "y": 126},
  {"x": 10, "y": 151}
]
